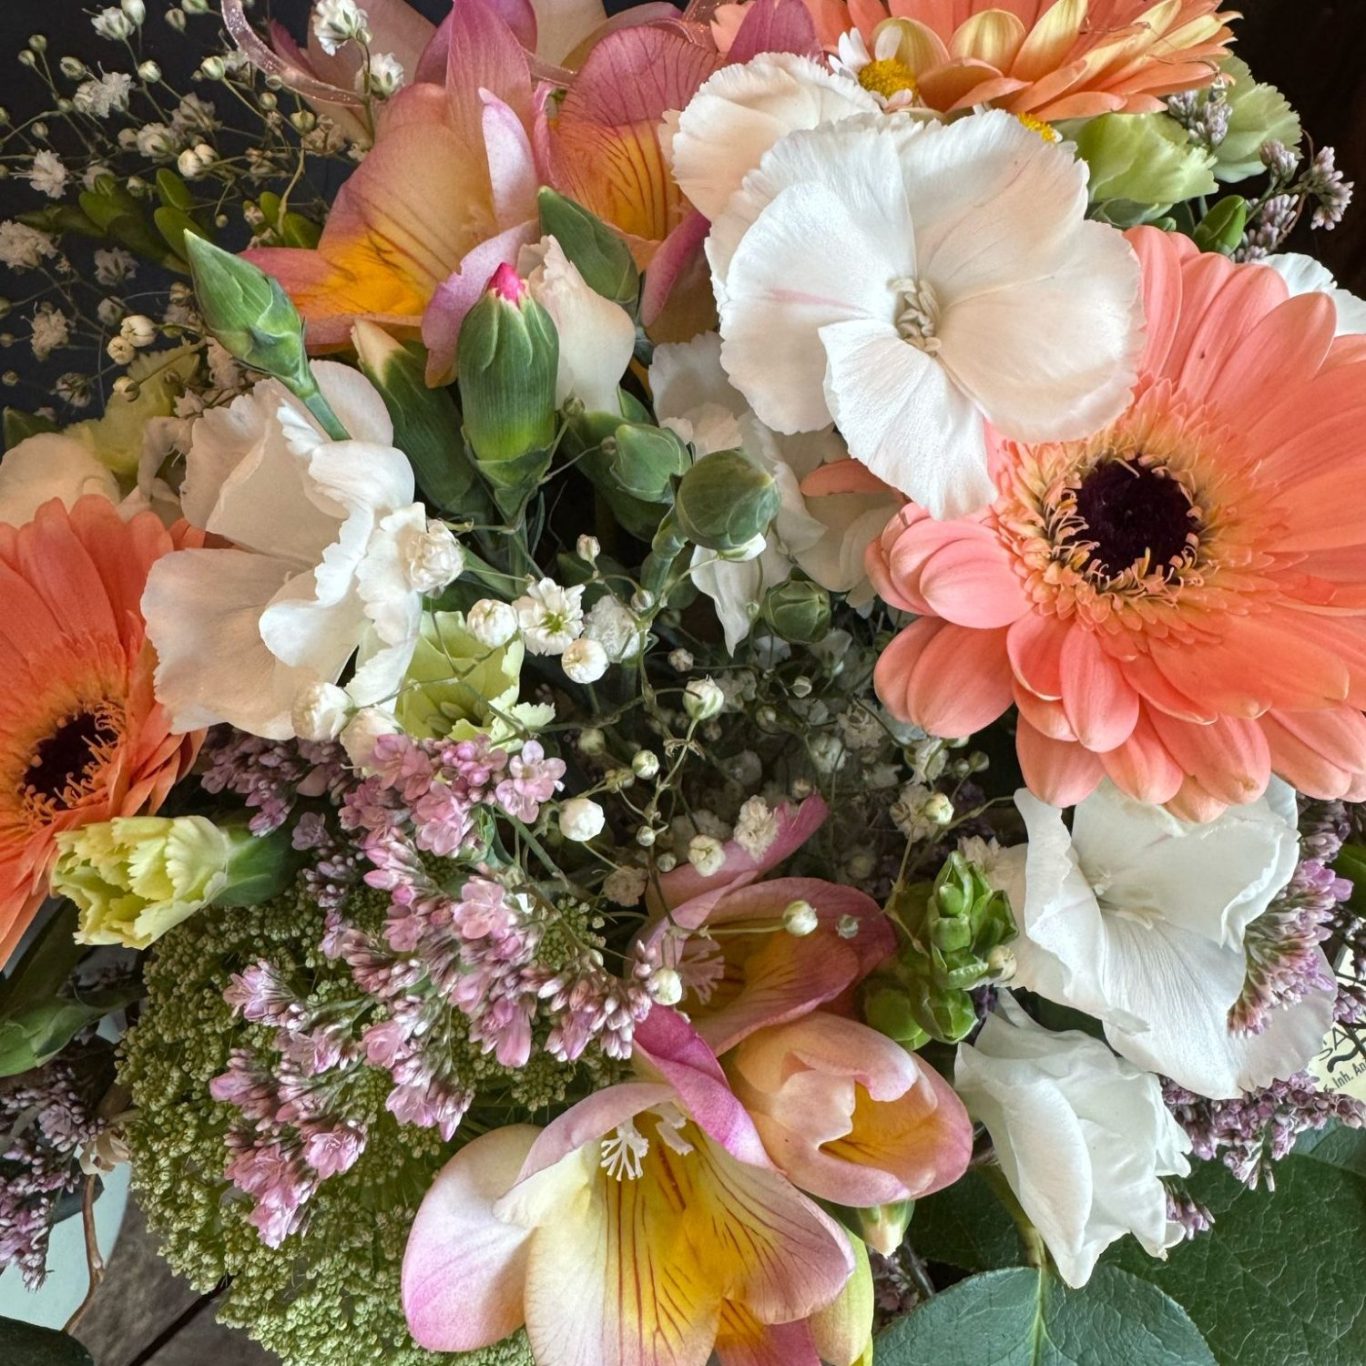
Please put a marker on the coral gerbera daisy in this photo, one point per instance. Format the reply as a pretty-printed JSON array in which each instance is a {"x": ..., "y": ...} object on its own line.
[
  {"x": 82, "y": 738},
  {"x": 1179, "y": 601},
  {"x": 1052, "y": 59}
]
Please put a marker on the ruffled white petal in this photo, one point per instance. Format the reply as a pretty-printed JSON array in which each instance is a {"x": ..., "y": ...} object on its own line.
[{"x": 50, "y": 465}]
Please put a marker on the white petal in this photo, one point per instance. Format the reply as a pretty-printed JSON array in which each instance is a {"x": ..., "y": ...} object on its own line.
[
  {"x": 50, "y": 465},
  {"x": 743, "y": 110},
  {"x": 1054, "y": 357},
  {"x": 685, "y": 376},
  {"x": 735, "y": 590},
  {"x": 905, "y": 419},
  {"x": 597, "y": 337},
  {"x": 805, "y": 264},
  {"x": 1304, "y": 275},
  {"x": 203, "y": 610}
]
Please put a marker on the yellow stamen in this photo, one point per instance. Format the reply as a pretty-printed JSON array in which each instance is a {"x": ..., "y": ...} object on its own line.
[
  {"x": 1045, "y": 130},
  {"x": 887, "y": 77}
]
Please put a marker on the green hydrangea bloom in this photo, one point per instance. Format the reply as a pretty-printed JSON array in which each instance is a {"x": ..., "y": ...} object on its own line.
[{"x": 329, "y": 1296}]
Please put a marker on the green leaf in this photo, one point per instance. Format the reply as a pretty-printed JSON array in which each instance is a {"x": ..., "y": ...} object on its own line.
[
  {"x": 1336, "y": 1145},
  {"x": 601, "y": 256},
  {"x": 34, "y": 1346},
  {"x": 19, "y": 426},
  {"x": 36, "y": 1035},
  {"x": 1024, "y": 1317},
  {"x": 46, "y": 964},
  {"x": 965, "y": 1226},
  {"x": 1282, "y": 1276}
]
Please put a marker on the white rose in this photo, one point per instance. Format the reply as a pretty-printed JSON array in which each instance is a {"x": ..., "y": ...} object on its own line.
[{"x": 1082, "y": 1137}]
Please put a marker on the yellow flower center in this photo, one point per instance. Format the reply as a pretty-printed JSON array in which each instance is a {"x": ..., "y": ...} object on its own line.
[
  {"x": 888, "y": 76},
  {"x": 1045, "y": 130}
]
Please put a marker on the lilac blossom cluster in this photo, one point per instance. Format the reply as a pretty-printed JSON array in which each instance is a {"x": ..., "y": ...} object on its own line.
[
  {"x": 47, "y": 1118},
  {"x": 271, "y": 776},
  {"x": 1285, "y": 962},
  {"x": 1252, "y": 1132}
]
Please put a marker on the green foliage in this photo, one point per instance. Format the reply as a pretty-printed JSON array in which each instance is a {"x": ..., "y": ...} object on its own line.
[
  {"x": 965, "y": 1226},
  {"x": 1282, "y": 1277},
  {"x": 1222, "y": 227},
  {"x": 1336, "y": 1145},
  {"x": 1024, "y": 1317},
  {"x": 725, "y": 501},
  {"x": 331, "y": 1293},
  {"x": 30, "y": 1345},
  {"x": 19, "y": 426},
  {"x": 602, "y": 257}
]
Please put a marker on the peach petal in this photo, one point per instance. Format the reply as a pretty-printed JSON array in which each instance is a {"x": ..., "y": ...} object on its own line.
[
  {"x": 1101, "y": 707},
  {"x": 949, "y": 680},
  {"x": 1143, "y": 768},
  {"x": 1035, "y": 644},
  {"x": 1229, "y": 758},
  {"x": 1055, "y": 771},
  {"x": 969, "y": 581}
]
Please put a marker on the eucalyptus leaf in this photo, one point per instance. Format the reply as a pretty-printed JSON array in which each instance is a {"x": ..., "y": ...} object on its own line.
[
  {"x": 1026, "y": 1317},
  {"x": 1282, "y": 1276},
  {"x": 30, "y": 1345}
]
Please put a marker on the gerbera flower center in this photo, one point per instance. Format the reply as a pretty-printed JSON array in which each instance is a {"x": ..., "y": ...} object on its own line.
[
  {"x": 917, "y": 314},
  {"x": 1130, "y": 516},
  {"x": 64, "y": 761},
  {"x": 888, "y": 77}
]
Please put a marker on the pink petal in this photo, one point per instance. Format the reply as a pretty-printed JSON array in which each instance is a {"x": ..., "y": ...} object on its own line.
[
  {"x": 969, "y": 580},
  {"x": 796, "y": 825},
  {"x": 1101, "y": 706},
  {"x": 1056, "y": 772},
  {"x": 775, "y": 26},
  {"x": 950, "y": 680},
  {"x": 464, "y": 1270},
  {"x": 1142, "y": 767},
  {"x": 1034, "y": 645},
  {"x": 1229, "y": 758},
  {"x": 512, "y": 167},
  {"x": 588, "y": 1121},
  {"x": 676, "y": 254},
  {"x": 1322, "y": 753}
]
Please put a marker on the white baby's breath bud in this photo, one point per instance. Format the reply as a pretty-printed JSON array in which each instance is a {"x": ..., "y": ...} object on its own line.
[
  {"x": 194, "y": 161},
  {"x": 800, "y": 918},
  {"x": 680, "y": 661},
  {"x": 138, "y": 329},
  {"x": 214, "y": 67},
  {"x": 320, "y": 712},
  {"x": 664, "y": 987},
  {"x": 588, "y": 548},
  {"x": 847, "y": 927},
  {"x": 125, "y": 387},
  {"x": 149, "y": 72},
  {"x": 72, "y": 68},
  {"x": 196, "y": 6},
  {"x": 592, "y": 741},
  {"x": 338, "y": 22},
  {"x": 645, "y": 763},
  {"x": 646, "y": 836},
  {"x": 120, "y": 350},
  {"x": 666, "y": 863},
  {"x": 385, "y": 77},
  {"x": 136, "y": 10},
  {"x": 703, "y": 699},
  {"x": 491, "y": 623},
  {"x": 176, "y": 18},
  {"x": 642, "y": 600},
  {"x": 938, "y": 809},
  {"x": 584, "y": 661},
  {"x": 581, "y": 819},
  {"x": 113, "y": 23},
  {"x": 707, "y": 854}
]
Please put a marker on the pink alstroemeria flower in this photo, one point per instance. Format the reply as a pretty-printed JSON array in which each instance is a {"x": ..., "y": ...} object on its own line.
[
  {"x": 849, "y": 1115},
  {"x": 738, "y": 978},
  {"x": 644, "y": 1227},
  {"x": 446, "y": 194}
]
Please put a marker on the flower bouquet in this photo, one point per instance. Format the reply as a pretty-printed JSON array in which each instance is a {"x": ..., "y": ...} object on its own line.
[{"x": 693, "y": 689}]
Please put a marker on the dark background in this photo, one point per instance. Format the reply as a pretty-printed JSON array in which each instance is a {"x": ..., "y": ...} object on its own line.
[{"x": 1314, "y": 50}]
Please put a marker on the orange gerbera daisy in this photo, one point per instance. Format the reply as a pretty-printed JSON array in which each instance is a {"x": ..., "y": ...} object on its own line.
[
  {"x": 82, "y": 738},
  {"x": 1052, "y": 59}
]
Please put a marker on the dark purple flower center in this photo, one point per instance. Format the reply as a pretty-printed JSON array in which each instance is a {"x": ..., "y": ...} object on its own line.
[
  {"x": 1129, "y": 513},
  {"x": 65, "y": 758}
]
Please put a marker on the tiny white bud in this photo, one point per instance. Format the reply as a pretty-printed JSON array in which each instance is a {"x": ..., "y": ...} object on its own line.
[
  {"x": 214, "y": 67},
  {"x": 664, "y": 987},
  {"x": 800, "y": 918},
  {"x": 646, "y": 836},
  {"x": 703, "y": 699},
  {"x": 642, "y": 600},
  {"x": 666, "y": 863},
  {"x": 589, "y": 548},
  {"x": 847, "y": 927},
  {"x": 680, "y": 661},
  {"x": 136, "y": 10},
  {"x": 491, "y": 622},
  {"x": 149, "y": 71},
  {"x": 120, "y": 350},
  {"x": 592, "y": 741},
  {"x": 139, "y": 329},
  {"x": 584, "y": 660},
  {"x": 320, "y": 712},
  {"x": 938, "y": 809},
  {"x": 707, "y": 854},
  {"x": 581, "y": 819},
  {"x": 645, "y": 763}
]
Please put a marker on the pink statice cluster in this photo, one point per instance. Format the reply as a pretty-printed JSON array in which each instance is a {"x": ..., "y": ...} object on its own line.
[{"x": 272, "y": 776}]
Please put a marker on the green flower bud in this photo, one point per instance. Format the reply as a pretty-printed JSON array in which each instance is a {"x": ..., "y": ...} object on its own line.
[
  {"x": 641, "y": 461},
  {"x": 883, "y": 1227},
  {"x": 1144, "y": 160},
  {"x": 798, "y": 610},
  {"x": 725, "y": 501},
  {"x": 426, "y": 421},
  {"x": 1257, "y": 113},
  {"x": 135, "y": 877},
  {"x": 888, "y": 1010},
  {"x": 255, "y": 321},
  {"x": 1222, "y": 227},
  {"x": 602, "y": 257},
  {"x": 506, "y": 359}
]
